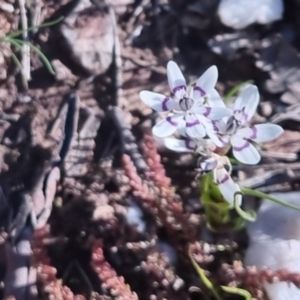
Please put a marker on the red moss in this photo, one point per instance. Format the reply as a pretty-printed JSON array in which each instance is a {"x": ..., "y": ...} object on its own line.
[
  {"x": 169, "y": 201},
  {"x": 253, "y": 279},
  {"x": 46, "y": 274},
  {"x": 110, "y": 281}
]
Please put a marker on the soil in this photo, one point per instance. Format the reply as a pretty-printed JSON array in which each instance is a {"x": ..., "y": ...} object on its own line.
[{"x": 92, "y": 206}]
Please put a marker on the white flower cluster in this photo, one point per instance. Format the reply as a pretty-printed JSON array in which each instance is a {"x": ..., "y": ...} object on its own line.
[{"x": 200, "y": 115}]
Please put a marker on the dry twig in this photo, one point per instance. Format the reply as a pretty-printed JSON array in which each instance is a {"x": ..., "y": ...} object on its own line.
[{"x": 25, "y": 52}]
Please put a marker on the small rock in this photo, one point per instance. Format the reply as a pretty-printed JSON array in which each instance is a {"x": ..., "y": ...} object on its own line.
[
  {"x": 275, "y": 243},
  {"x": 6, "y": 7},
  {"x": 61, "y": 71},
  {"x": 227, "y": 44},
  {"x": 24, "y": 98},
  {"x": 169, "y": 251},
  {"x": 121, "y": 6},
  {"x": 89, "y": 35},
  {"x": 199, "y": 14},
  {"x": 3, "y": 73},
  {"x": 266, "y": 108},
  {"x": 288, "y": 142},
  {"x": 178, "y": 284},
  {"x": 103, "y": 212},
  {"x": 241, "y": 13},
  {"x": 135, "y": 217},
  {"x": 281, "y": 59}
]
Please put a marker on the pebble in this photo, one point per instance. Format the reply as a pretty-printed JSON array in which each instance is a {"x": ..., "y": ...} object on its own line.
[
  {"x": 275, "y": 243},
  {"x": 135, "y": 217},
  {"x": 242, "y": 13}
]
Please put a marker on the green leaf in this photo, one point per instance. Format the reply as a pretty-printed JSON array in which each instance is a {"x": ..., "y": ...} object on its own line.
[
  {"x": 217, "y": 210},
  {"x": 16, "y": 60},
  {"x": 237, "y": 291},
  {"x": 18, "y": 63},
  {"x": 205, "y": 279},
  {"x": 14, "y": 42},
  {"x": 18, "y": 43},
  {"x": 233, "y": 161},
  {"x": 249, "y": 215},
  {"x": 235, "y": 90},
  {"x": 47, "y": 24},
  {"x": 239, "y": 223},
  {"x": 262, "y": 195},
  {"x": 42, "y": 57},
  {"x": 210, "y": 286}
]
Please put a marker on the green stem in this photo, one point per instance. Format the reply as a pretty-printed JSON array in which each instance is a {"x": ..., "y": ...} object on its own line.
[
  {"x": 19, "y": 43},
  {"x": 235, "y": 90},
  {"x": 237, "y": 291},
  {"x": 205, "y": 279},
  {"x": 247, "y": 215},
  {"x": 18, "y": 32},
  {"x": 262, "y": 195}
]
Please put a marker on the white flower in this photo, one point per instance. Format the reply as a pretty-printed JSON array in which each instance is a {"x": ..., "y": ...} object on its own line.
[
  {"x": 228, "y": 188},
  {"x": 210, "y": 162},
  {"x": 188, "y": 106},
  {"x": 221, "y": 168},
  {"x": 236, "y": 131}
]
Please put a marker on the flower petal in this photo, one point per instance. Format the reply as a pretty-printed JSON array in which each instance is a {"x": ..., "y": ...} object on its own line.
[
  {"x": 206, "y": 83},
  {"x": 178, "y": 145},
  {"x": 176, "y": 80},
  {"x": 261, "y": 133},
  {"x": 167, "y": 126},
  {"x": 214, "y": 99},
  {"x": 218, "y": 126},
  {"x": 204, "y": 146},
  {"x": 213, "y": 113},
  {"x": 216, "y": 139},
  {"x": 158, "y": 102},
  {"x": 212, "y": 132},
  {"x": 244, "y": 151},
  {"x": 193, "y": 126},
  {"x": 247, "y": 102},
  {"x": 227, "y": 186}
]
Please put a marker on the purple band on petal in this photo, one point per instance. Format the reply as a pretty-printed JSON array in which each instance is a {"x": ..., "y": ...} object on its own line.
[
  {"x": 207, "y": 111},
  {"x": 223, "y": 180},
  {"x": 222, "y": 140},
  {"x": 173, "y": 123},
  {"x": 242, "y": 112},
  {"x": 200, "y": 90},
  {"x": 246, "y": 145},
  {"x": 254, "y": 133},
  {"x": 188, "y": 144},
  {"x": 164, "y": 104},
  {"x": 177, "y": 88},
  {"x": 191, "y": 124},
  {"x": 215, "y": 127}
]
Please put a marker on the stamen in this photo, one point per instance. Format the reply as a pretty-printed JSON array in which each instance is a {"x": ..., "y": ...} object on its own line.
[
  {"x": 231, "y": 125},
  {"x": 186, "y": 103}
]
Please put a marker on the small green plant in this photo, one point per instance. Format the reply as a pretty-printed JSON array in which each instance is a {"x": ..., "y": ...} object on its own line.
[
  {"x": 209, "y": 285},
  {"x": 13, "y": 39},
  {"x": 209, "y": 127}
]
